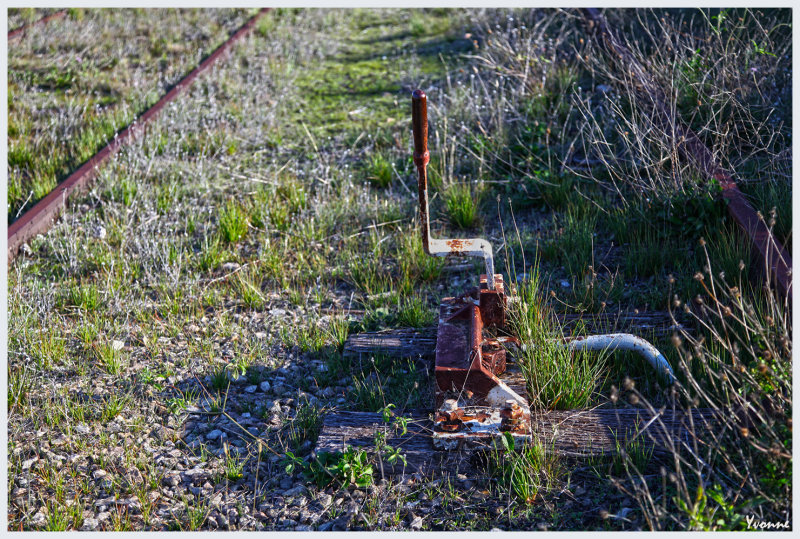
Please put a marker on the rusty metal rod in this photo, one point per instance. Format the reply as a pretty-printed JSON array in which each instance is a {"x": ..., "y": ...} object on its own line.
[
  {"x": 439, "y": 247},
  {"x": 24, "y": 28},
  {"x": 38, "y": 219}
]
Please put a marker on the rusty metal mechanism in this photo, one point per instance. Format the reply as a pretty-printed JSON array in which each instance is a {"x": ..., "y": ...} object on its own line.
[
  {"x": 479, "y": 398},
  {"x": 476, "y": 404}
]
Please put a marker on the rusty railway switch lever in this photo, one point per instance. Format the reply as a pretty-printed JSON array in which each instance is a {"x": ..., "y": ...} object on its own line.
[
  {"x": 470, "y": 360},
  {"x": 439, "y": 247}
]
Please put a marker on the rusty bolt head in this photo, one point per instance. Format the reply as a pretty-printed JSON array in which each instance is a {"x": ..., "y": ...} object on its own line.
[
  {"x": 455, "y": 415},
  {"x": 453, "y": 426},
  {"x": 511, "y": 411},
  {"x": 449, "y": 411}
]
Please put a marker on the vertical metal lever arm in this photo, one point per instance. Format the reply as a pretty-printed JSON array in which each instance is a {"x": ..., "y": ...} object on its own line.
[{"x": 460, "y": 247}]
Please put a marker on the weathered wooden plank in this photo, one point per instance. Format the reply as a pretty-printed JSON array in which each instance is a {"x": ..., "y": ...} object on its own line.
[
  {"x": 406, "y": 342},
  {"x": 645, "y": 324},
  {"x": 573, "y": 433},
  {"x": 415, "y": 343},
  {"x": 584, "y": 433},
  {"x": 358, "y": 429}
]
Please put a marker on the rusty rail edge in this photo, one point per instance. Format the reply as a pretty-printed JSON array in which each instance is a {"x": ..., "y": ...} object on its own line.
[
  {"x": 24, "y": 28},
  {"x": 43, "y": 213},
  {"x": 774, "y": 260}
]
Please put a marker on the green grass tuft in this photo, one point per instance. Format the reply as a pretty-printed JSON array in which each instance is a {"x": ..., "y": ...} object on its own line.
[
  {"x": 461, "y": 206},
  {"x": 233, "y": 222}
]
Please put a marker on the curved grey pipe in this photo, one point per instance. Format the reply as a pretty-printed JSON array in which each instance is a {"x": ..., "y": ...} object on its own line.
[{"x": 625, "y": 341}]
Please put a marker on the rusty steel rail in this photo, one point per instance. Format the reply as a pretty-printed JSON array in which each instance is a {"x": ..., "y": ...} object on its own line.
[
  {"x": 38, "y": 219},
  {"x": 775, "y": 261},
  {"x": 25, "y": 27}
]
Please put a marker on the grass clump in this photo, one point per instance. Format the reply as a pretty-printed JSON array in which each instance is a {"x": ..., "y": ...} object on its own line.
[
  {"x": 461, "y": 206},
  {"x": 379, "y": 171},
  {"x": 113, "y": 406},
  {"x": 415, "y": 264},
  {"x": 110, "y": 357},
  {"x": 305, "y": 425},
  {"x": 233, "y": 222},
  {"x": 525, "y": 472},
  {"x": 572, "y": 240},
  {"x": 413, "y": 312},
  {"x": 557, "y": 377},
  {"x": 248, "y": 286},
  {"x": 85, "y": 296}
]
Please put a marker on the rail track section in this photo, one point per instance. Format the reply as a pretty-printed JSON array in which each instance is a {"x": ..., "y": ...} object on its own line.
[
  {"x": 772, "y": 258},
  {"x": 24, "y": 28},
  {"x": 41, "y": 216}
]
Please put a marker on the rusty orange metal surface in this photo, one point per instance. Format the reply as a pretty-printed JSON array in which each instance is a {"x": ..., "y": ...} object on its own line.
[{"x": 466, "y": 358}]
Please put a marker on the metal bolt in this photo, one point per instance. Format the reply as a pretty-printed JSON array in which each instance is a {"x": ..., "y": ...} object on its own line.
[{"x": 511, "y": 415}]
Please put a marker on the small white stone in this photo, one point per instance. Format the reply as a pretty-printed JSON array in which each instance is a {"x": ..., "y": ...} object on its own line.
[
  {"x": 294, "y": 491},
  {"x": 90, "y": 524},
  {"x": 39, "y": 519},
  {"x": 214, "y": 434},
  {"x": 117, "y": 345},
  {"x": 264, "y": 386}
]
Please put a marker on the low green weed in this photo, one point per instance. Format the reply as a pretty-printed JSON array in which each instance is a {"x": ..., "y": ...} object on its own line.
[
  {"x": 557, "y": 377},
  {"x": 414, "y": 312},
  {"x": 527, "y": 472},
  {"x": 462, "y": 206},
  {"x": 111, "y": 359},
  {"x": 233, "y": 222},
  {"x": 379, "y": 171}
]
